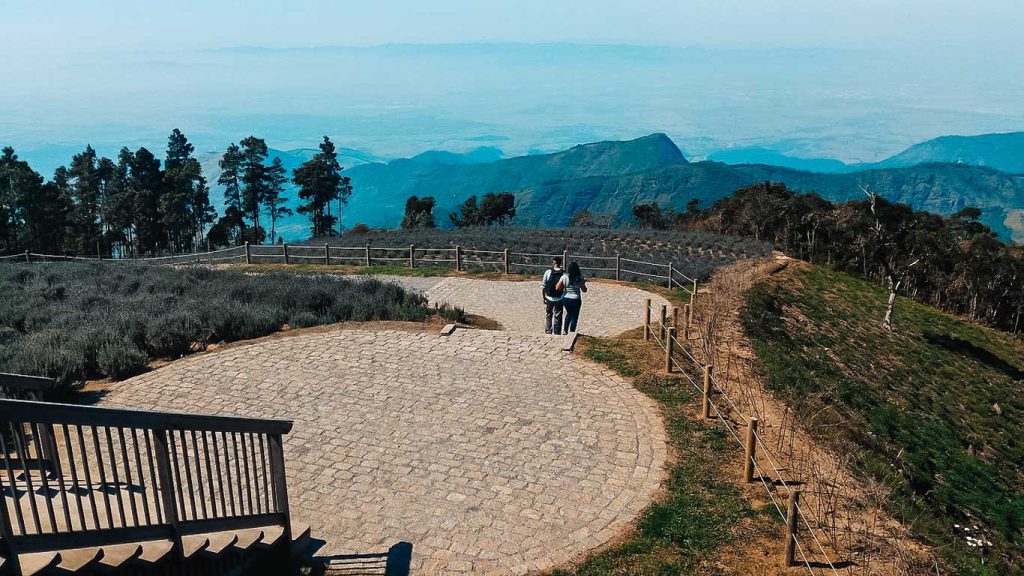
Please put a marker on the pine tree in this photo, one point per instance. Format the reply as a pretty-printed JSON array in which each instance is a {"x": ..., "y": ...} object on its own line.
[
  {"x": 275, "y": 203},
  {"x": 320, "y": 183},
  {"x": 254, "y": 180},
  {"x": 147, "y": 181},
  {"x": 20, "y": 189},
  {"x": 185, "y": 203},
  {"x": 85, "y": 186},
  {"x": 119, "y": 205},
  {"x": 231, "y": 179}
]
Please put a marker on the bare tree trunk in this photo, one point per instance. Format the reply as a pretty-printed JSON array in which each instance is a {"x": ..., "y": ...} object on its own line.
[{"x": 890, "y": 307}]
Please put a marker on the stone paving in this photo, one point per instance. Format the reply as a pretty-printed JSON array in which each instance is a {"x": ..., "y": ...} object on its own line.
[
  {"x": 491, "y": 452},
  {"x": 608, "y": 309}
]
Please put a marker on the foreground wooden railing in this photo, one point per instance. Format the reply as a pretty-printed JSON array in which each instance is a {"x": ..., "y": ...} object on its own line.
[{"x": 78, "y": 476}]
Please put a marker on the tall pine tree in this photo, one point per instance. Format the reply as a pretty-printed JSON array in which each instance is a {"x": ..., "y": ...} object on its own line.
[
  {"x": 255, "y": 184},
  {"x": 320, "y": 182},
  {"x": 275, "y": 203},
  {"x": 185, "y": 202}
]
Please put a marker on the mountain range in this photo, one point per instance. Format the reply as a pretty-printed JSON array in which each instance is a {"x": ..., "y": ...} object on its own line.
[
  {"x": 1004, "y": 152},
  {"x": 942, "y": 175},
  {"x": 608, "y": 178}
]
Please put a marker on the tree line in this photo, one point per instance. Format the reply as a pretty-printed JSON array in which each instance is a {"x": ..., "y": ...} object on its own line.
[
  {"x": 954, "y": 263},
  {"x": 136, "y": 205},
  {"x": 492, "y": 209}
]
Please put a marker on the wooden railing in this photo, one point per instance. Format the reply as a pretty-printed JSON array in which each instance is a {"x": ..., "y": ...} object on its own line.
[
  {"x": 458, "y": 258},
  {"x": 77, "y": 476}
]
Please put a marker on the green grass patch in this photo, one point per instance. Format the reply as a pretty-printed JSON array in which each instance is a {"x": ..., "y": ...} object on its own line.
[
  {"x": 936, "y": 409},
  {"x": 698, "y": 513}
]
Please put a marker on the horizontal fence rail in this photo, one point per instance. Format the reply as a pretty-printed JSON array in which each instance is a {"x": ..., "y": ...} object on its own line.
[
  {"x": 672, "y": 335},
  {"x": 458, "y": 258},
  {"x": 77, "y": 476}
]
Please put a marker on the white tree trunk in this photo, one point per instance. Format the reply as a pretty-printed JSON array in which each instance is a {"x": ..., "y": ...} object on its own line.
[{"x": 889, "y": 309}]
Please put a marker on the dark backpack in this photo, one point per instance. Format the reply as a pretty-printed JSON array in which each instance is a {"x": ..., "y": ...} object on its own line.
[{"x": 550, "y": 285}]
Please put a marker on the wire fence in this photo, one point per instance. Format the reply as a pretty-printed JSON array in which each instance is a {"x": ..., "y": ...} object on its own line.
[
  {"x": 679, "y": 359},
  {"x": 505, "y": 261}
]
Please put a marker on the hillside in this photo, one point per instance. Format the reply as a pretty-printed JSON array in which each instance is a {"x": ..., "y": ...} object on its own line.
[
  {"x": 939, "y": 188},
  {"x": 934, "y": 410},
  {"x": 610, "y": 177},
  {"x": 1003, "y": 152},
  {"x": 383, "y": 188}
]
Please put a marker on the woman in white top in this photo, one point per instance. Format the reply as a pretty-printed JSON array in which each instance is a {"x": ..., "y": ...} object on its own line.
[{"x": 572, "y": 285}]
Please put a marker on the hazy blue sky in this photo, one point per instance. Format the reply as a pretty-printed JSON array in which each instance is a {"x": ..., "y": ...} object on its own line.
[{"x": 34, "y": 26}]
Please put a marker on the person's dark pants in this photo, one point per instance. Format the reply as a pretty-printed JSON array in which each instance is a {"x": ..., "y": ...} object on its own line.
[
  {"x": 572, "y": 313},
  {"x": 553, "y": 317}
]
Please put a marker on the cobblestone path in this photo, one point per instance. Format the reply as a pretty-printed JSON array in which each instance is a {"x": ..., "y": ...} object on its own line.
[
  {"x": 608, "y": 309},
  {"x": 492, "y": 452}
]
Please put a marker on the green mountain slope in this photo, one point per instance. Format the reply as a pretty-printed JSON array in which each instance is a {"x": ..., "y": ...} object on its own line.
[
  {"x": 940, "y": 188},
  {"x": 610, "y": 177},
  {"x": 381, "y": 189}
]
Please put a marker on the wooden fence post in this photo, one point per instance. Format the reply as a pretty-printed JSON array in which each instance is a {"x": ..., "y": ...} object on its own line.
[
  {"x": 164, "y": 477},
  {"x": 705, "y": 405},
  {"x": 792, "y": 510},
  {"x": 670, "y": 338},
  {"x": 670, "y": 275},
  {"x": 506, "y": 261},
  {"x": 280, "y": 487},
  {"x": 28, "y": 258},
  {"x": 458, "y": 258},
  {"x": 327, "y": 254},
  {"x": 664, "y": 322},
  {"x": 367, "y": 255},
  {"x": 412, "y": 255},
  {"x": 248, "y": 257},
  {"x": 751, "y": 451},
  {"x": 647, "y": 319},
  {"x": 693, "y": 294},
  {"x": 618, "y": 267},
  {"x": 285, "y": 249},
  {"x": 686, "y": 322},
  {"x": 675, "y": 317}
]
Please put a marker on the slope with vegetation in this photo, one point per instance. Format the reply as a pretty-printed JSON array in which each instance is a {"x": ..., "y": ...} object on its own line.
[
  {"x": 935, "y": 409},
  {"x": 79, "y": 321},
  {"x": 954, "y": 263},
  {"x": 607, "y": 178}
]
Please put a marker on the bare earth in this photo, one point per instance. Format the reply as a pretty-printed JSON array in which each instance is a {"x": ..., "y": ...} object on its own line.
[{"x": 491, "y": 452}]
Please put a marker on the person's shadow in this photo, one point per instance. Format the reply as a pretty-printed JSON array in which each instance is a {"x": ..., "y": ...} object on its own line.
[{"x": 395, "y": 562}]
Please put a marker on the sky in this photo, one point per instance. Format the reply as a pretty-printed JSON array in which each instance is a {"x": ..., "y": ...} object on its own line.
[
  {"x": 54, "y": 27},
  {"x": 856, "y": 80}
]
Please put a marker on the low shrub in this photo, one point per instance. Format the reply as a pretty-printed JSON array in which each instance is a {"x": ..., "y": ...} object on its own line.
[
  {"x": 74, "y": 321},
  {"x": 120, "y": 359}
]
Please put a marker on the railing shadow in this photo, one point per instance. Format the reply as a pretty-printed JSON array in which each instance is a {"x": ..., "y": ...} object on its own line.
[{"x": 395, "y": 562}]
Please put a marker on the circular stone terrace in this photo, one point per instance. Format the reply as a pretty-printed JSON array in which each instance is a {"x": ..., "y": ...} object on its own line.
[{"x": 492, "y": 452}]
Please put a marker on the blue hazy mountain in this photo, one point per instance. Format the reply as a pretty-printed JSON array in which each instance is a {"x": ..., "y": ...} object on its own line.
[
  {"x": 1003, "y": 151},
  {"x": 479, "y": 155},
  {"x": 760, "y": 155}
]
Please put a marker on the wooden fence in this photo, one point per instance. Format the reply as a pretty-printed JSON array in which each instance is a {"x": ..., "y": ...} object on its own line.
[
  {"x": 671, "y": 330},
  {"x": 457, "y": 258}
]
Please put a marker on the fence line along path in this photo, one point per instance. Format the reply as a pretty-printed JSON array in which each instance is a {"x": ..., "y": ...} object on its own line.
[{"x": 507, "y": 261}]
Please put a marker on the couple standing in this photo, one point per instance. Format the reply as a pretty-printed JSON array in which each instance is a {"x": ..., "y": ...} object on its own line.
[{"x": 562, "y": 289}]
